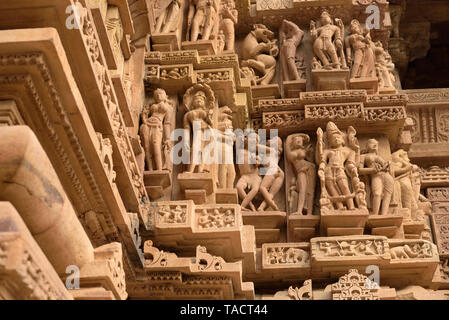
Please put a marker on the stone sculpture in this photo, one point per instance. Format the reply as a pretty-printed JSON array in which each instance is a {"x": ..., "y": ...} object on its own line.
[
  {"x": 199, "y": 101},
  {"x": 155, "y": 131},
  {"x": 228, "y": 20},
  {"x": 274, "y": 177},
  {"x": 384, "y": 65},
  {"x": 380, "y": 173},
  {"x": 359, "y": 52},
  {"x": 226, "y": 169},
  {"x": 291, "y": 36},
  {"x": 249, "y": 172},
  {"x": 403, "y": 177},
  {"x": 203, "y": 20},
  {"x": 408, "y": 185},
  {"x": 338, "y": 169},
  {"x": 299, "y": 153},
  {"x": 328, "y": 42},
  {"x": 259, "y": 50},
  {"x": 168, "y": 19}
]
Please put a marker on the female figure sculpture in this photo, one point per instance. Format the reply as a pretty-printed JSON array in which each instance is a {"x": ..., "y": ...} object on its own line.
[
  {"x": 291, "y": 36},
  {"x": 299, "y": 153},
  {"x": 155, "y": 131},
  {"x": 359, "y": 53},
  {"x": 380, "y": 175},
  {"x": 228, "y": 20},
  {"x": 199, "y": 101},
  {"x": 203, "y": 19}
]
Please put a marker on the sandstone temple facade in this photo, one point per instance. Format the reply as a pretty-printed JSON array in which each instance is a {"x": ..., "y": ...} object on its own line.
[{"x": 224, "y": 149}]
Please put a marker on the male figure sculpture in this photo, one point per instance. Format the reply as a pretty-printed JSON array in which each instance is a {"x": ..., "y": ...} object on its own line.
[
  {"x": 334, "y": 161},
  {"x": 155, "y": 131},
  {"x": 327, "y": 39},
  {"x": 299, "y": 152},
  {"x": 203, "y": 19},
  {"x": 291, "y": 36},
  {"x": 381, "y": 179}
]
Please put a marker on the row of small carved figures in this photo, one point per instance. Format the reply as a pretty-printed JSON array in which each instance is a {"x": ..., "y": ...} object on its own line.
[{"x": 282, "y": 255}]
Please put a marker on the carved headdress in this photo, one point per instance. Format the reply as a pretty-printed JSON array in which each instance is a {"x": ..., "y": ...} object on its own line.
[
  {"x": 325, "y": 14},
  {"x": 332, "y": 129},
  {"x": 202, "y": 90}
]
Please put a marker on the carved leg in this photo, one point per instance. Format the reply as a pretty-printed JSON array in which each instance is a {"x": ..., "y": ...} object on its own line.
[
  {"x": 317, "y": 49},
  {"x": 254, "y": 189},
  {"x": 259, "y": 66},
  {"x": 343, "y": 185},
  {"x": 293, "y": 71},
  {"x": 331, "y": 188},
  {"x": 376, "y": 190},
  {"x": 266, "y": 182},
  {"x": 357, "y": 62},
  {"x": 284, "y": 67},
  {"x": 301, "y": 186},
  {"x": 241, "y": 186},
  {"x": 197, "y": 20},
  {"x": 388, "y": 187},
  {"x": 230, "y": 176},
  {"x": 160, "y": 20}
]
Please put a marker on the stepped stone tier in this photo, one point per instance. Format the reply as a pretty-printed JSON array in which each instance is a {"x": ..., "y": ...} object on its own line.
[{"x": 223, "y": 149}]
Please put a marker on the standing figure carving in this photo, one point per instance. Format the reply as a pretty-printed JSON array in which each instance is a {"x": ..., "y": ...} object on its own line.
[
  {"x": 259, "y": 50},
  {"x": 291, "y": 36},
  {"x": 203, "y": 20},
  {"x": 403, "y": 175},
  {"x": 228, "y": 20},
  {"x": 155, "y": 131},
  {"x": 359, "y": 52},
  {"x": 380, "y": 175},
  {"x": 274, "y": 176},
  {"x": 168, "y": 16},
  {"x": 328, "y": 42},
  {"x": 199, "y": 101},
  {"x": 384, "y": 65},
  {"x": 299, "y": 152},
  {"x": 226, "y": 169},
  {"x": 338, "y": 169}
]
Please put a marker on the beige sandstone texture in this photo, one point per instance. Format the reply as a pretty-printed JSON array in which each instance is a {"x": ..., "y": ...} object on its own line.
[{"x": 223, "y": 149}]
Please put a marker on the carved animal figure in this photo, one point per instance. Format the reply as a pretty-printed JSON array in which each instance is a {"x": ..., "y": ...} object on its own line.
[
  {"x": 295, "y": 255},
  {"x": 403, "y": 252}
]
